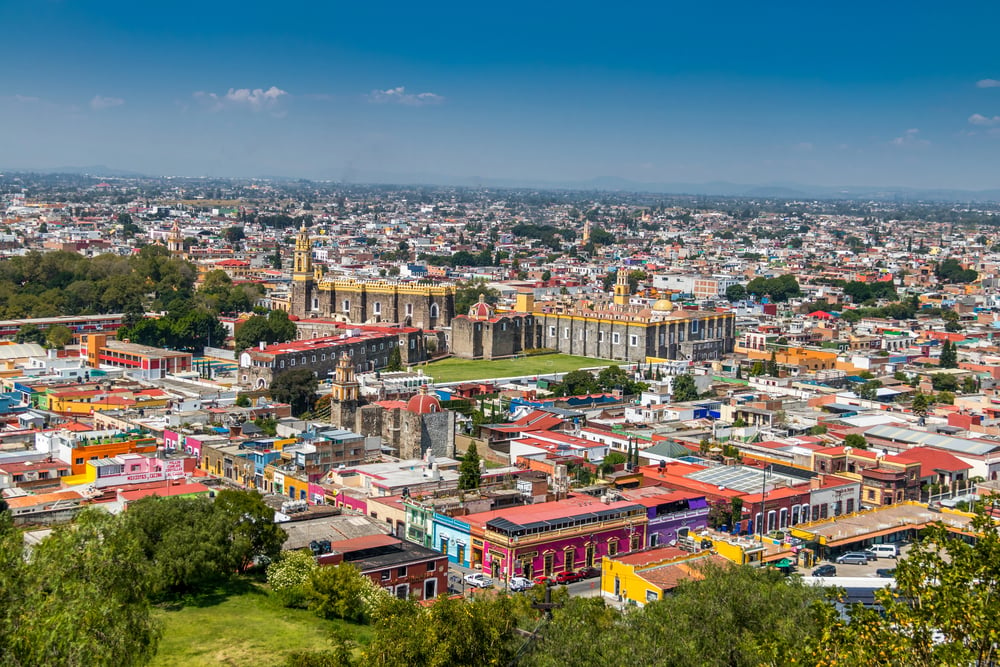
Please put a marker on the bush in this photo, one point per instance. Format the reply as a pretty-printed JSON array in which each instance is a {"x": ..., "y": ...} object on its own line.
[{"x": 289, "y": 577}]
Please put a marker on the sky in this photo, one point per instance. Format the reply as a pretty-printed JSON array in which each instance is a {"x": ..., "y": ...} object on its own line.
[{"x": 880, "y": 93}]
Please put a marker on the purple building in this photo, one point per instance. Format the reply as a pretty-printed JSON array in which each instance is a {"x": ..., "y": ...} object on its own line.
[{"x": 670, "y": 514}]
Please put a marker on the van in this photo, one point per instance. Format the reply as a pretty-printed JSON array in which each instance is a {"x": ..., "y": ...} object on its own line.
[{"x": 885, "y": 550}]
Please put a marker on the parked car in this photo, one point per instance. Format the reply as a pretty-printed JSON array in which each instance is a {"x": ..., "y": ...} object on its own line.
[
  {"x": 869, "y": 554},
  {"x": 478, "y": 580},
  {"x": 589, "y": 572},
  {"x": 568, "y": 577},
  {"x": 518, "y": 584},
  {"x": 886, "y": 572},
  {"x": 825, "y": 571},
  {"x": 542, "y": 580},
  {"x": 853, "y": 558},
  {"x": 885, "y": 550}
]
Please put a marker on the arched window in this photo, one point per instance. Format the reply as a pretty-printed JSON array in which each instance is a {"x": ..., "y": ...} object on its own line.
[{"x": 434, "y": 310}]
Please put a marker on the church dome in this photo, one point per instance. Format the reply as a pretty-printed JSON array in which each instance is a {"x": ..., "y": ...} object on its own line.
[
  {"x": 481, "y": 310},
  {"x": 663, "y": 305},
  {"x": 423, "y": 403}
]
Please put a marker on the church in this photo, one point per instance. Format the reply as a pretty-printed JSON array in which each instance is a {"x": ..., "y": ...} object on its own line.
[
  {"x": 600, "y": 329},
  {"x": 365, "y": 301}
]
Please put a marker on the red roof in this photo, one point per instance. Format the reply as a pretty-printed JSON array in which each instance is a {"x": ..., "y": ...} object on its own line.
[{"x": 932, "y": 460}]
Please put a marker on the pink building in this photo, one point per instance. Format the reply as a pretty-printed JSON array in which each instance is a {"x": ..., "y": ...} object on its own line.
[{"x": 556, "y": 536}]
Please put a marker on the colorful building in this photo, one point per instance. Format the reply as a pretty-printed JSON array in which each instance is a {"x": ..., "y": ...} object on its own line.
[
  {"x": 561, "y": 535},
  {"x": 645, "y": 576},
  {"x": 141, "y": 360}
]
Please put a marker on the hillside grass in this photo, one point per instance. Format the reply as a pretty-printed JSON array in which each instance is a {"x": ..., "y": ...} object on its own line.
[
  {"x": 242, "y": 624},
  {"x": 454, "y": 369}
]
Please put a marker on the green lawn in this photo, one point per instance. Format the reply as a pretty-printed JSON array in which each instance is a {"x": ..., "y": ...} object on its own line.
[
  {"x": 242, "y": 625},
  {"x": 455, "y": 370}
]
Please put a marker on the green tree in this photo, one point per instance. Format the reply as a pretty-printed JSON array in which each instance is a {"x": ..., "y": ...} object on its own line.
[
  {"x": 856, "y": 441},
  {"x": 772, "y": 364},
  {"x": 58, "y": 336},
  {"x": 610, "y": 461},
  {"x": 869, "y": 390},
  {"x": 337, "y": 591},
  {"x": 577, "y": 383},
  {"x": 944, "y": 382},
  {"x": 949, "y": 355},
  {"x": 921, "y": 403},
  {"x": 297, "y": 388},
  {"x": 254, "y": 538},
  {"x": 233, "y": 235},
  {"x": 469, "y": 474},
  {"x": 395, "y": 360},
  {"x": 736, "y": 293},
  {"x": 81, "y": 598},
  {"x": 289, "y": 577},
  {"x": 467, "y": 293},
  {"x": 683, "y": 388},
  {"x": 29, "y": 333}
]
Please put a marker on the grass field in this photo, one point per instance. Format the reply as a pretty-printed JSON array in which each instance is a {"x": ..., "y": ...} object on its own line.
[
  {"x": 455, "y": 370},
  {"x": 242, "y": 625}
]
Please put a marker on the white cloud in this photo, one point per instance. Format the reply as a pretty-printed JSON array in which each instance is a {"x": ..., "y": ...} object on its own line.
[
  {"x": 988, "y": 83},
  {"x": 910, "y": 138},
  {"x": 399, "y": 95},
  {"x": 256, "y": 99},
  {"x": 979, "y": 119},
  {"x": 99, "y": 102}
]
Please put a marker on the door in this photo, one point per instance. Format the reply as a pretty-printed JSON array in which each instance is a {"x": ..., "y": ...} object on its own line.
[
  {"x": 430, "y": 589},
  {"x": 590, "y": 555},
  {"x": 460, "y": 554},
  {"x": 548, "y": 564}
]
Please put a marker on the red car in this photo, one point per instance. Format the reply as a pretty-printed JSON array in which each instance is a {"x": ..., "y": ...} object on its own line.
[
  {"x": 542, "y": 580},
  {"x": 568, "y": 577}
]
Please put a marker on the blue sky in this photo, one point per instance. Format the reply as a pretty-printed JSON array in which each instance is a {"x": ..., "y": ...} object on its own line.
[{"x": 874, "y": 93}]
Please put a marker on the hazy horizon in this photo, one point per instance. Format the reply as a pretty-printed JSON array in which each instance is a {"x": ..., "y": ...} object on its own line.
[{"x": 852, "y": 95}]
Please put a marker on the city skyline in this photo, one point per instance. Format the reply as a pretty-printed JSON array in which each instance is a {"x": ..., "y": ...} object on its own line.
[{"x": 869, "y": 95}]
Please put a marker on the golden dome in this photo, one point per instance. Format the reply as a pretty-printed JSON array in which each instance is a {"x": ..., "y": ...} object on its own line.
[{"x": 664, "y": 305}]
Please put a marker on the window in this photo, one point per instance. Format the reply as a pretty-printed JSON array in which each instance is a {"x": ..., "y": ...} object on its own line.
[
  {"x": 850, "y": 505},
  {"x": 323, "y": 357},
  {"x": 566, "y": 333},
  {"x": 613, "y": 547},
  {"x": 409, "y": 309},
  {"x": 600, "y": 336},
  {"x": 434, "y": 310},
  {"x": 303, "y": 360},
  {"x": 694, "y": 326},
  {"x": 377, "y": 308},
  {"x": 652, "y": 596},
  {"x": 314, "y": 358},
  {"x": 552, "y": 332},
  {"x": 633, "y": 340},
  {"x": 401, "y": 571},
  {"x": 79, "y": 462},
  {"x": 616, "y": 338},
  {"x": 430, "y": 565},
  {"x": 346, "y": 305},
  {"x": 403, "y": 591}
]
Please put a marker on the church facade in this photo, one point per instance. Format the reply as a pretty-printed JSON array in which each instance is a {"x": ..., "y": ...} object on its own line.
[{"x": 365, "y": 301}]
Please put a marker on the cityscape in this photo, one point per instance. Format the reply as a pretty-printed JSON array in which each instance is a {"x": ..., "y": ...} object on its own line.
[{"x": 538, "y": 359}]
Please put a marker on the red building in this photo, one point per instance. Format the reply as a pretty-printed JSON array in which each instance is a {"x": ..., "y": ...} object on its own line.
[{"x": 403, "y": 568}]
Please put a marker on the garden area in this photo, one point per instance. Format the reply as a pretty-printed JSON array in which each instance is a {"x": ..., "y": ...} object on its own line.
[{"x": 453, "y": 369}]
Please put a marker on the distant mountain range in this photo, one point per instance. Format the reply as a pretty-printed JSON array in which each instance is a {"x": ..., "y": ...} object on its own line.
[{"x": 610, "y": 184}]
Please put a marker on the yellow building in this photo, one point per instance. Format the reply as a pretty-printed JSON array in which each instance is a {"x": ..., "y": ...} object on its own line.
[{"x": 645, "y": 576}]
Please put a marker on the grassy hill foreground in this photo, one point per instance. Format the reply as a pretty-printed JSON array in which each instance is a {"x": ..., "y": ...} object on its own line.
[
  {"x": 454, "y": 369},
  {"x": 242, "y": 624}
]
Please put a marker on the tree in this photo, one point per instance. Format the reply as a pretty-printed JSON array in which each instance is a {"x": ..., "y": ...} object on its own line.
[
  {"x": 395, "y": 360},
  {"x": 289, "y": 577},
  {"x": 274, "y": 328},
  {"x": 944, "y": 382},
  {"x": 233, "y": 235},
  {"x": 949, "y": 355},
  {"x": 818, "y": 429},
  {"x": 610, "y": 461},
  {"x": 683, "y": 389},
  {"x": 467, "y": 294},
  {"x": 81, "y": 598},
  {"x": 614, "y": 377},
  {"x": 736, "y": 293},
  {"x": 58, "y": 336},
  {"x": 577, "y": 383},
  {"x": 921, "y": 403},
  {"x": 856, "y": 441},
  {"x": 943, "y": 609},
  {"x": 297, "y": 388},
  {"x": 336, "y": 591},
  {"x": 249, "y": 523},
  {"x": 869, "y": 390},
  {"x": 772, "y": 364},
  {"x": 29, "y": 333},
  {"x": 469, "y": 474}
]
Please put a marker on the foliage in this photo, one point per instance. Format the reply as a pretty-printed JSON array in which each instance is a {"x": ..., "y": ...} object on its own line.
[
  {"x": 253, "y": 535},
  {"x": 951, "y": 271},
  {"x": 395, "y": 360},
  {"x": 818, "y": 429},
  {"x": 614, "y": 377},
  {"x": 944, "y": 382},
  {"x": 58, "y": 336},
  {"x": 29, "y": 333},
  {"x": 635, "y": 276},
  {"x": 943, "y": 611},
  {"x": 683, "y": 388},
  {"x": 468, "y": 471},
  {"x": 80, "y": 600},
  {"x": 274, "y": 328},
  {"x": 297, "y": 388},
  {"x": 219, "y": 295},
  {"x": 921, "y": 403},
  {"x": 336, "y": 591},
  {"x": 777, "y": 289},
  {"x": 610, "y": 461},
  {"x": 576, "y": 383},
  {"x": 856, "y": 441},
  {"x": 861, "y": 292},
  {"x": 186, "y": 328},
  {"x": 869, "y": 390},
  {"x": 467, "y": 293},
  {"x": 550, "y": 236},
  {"x": 736, "y": 293},
  {"x": 949, "y": 355},
  {"x": 473, "y": 633},
  {"x": 289, "y": 575}
]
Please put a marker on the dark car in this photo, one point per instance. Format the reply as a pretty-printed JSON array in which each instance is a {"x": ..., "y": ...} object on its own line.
[
  {"x": 825, "y": 571},
  {"x": 589, "y": 572},
  {"x": 886, "y": 572},
  {"x": 568, "y": 577}
]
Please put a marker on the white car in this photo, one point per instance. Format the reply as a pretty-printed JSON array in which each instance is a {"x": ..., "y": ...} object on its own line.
[
  {"x": 478, "y": 580},
  {"x": 518, "y": 584}
]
